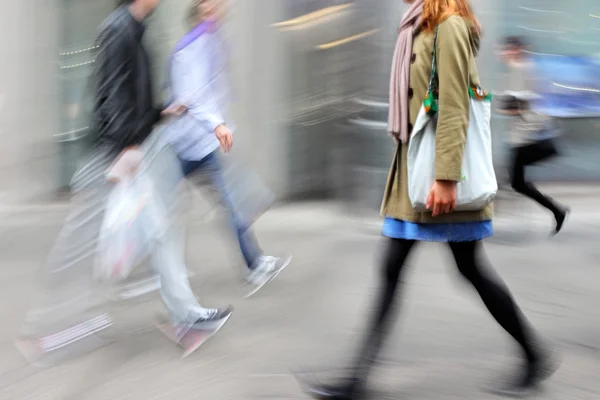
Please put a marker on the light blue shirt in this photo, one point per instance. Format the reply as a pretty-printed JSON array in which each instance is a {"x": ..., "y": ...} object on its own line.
[{"x": 198, "y": 81}]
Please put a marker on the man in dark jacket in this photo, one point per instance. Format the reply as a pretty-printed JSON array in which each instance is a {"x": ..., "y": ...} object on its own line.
[
  {"x": 123, "y": 117},
  {"x": 124, "y": 111}
]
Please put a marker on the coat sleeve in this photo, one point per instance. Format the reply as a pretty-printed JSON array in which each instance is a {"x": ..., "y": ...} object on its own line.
[
  {"x": 114, "y": 101},
  {"x": 192, "y": 80},
  {"x": 453, "y": 58}
]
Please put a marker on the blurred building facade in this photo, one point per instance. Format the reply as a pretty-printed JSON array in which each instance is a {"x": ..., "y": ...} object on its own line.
[
  {"x": 29, "y": 109},
  {"x": 556, "y": 29},
  {"x": 311, "y": 79}
]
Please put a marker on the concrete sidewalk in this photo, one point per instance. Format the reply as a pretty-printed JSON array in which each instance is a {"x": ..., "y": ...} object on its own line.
[{"x": 445, "y": 347}]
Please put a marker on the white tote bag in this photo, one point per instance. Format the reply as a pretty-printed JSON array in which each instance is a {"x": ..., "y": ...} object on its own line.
[{"x": 478, "y": 185}]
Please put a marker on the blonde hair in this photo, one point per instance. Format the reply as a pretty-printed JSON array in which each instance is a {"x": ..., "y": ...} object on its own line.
[{"x": 437, "y": 11}]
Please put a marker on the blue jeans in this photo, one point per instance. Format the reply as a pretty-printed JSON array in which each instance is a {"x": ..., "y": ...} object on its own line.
[{"x": 212, "y": 166}]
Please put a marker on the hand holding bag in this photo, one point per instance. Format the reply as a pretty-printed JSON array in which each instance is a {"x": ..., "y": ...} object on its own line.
[
  {"x": 478, "y": 185},
  {"x": 134, "y": 220}
]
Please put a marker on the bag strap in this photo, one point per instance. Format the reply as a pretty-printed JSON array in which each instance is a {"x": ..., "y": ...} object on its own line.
[
  {"x": 430, "y": 102},
  {"x": 431, "y": 86}
]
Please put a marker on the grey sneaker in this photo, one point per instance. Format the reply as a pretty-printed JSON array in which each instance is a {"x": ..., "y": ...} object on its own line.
[
  {"x": 191, "y": 338},
  {"x": 252, "y": 276},
  {"x": 268, "y": 268},
  {"x": 214, "y": 318}
]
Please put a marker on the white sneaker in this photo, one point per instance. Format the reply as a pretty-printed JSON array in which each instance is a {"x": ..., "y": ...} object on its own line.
[{"x": 268, "y": 268}]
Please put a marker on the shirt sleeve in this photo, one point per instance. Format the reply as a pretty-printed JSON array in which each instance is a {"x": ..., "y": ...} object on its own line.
[
  {"x": 453, "y": 59},
  {"x": 192, "y": 80}
]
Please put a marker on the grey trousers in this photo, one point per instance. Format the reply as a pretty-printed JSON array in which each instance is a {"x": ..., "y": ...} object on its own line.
[{"x": 66, "y": 294}]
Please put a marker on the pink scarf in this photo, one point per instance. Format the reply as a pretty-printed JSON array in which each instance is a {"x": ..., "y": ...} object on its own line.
[{"x": 399, "y": 79}]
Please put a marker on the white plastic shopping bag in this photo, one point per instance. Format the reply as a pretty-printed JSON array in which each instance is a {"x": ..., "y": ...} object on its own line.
[{"x": 133, "y": 221}]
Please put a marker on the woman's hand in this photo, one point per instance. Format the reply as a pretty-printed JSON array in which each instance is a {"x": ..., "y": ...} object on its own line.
[
  {"x": 442, "y": 197},
  {"x": 125, "y": 165}
]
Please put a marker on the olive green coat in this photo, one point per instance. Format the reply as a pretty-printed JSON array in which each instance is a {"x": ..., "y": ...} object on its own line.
[{"x": 457, "y": 45}]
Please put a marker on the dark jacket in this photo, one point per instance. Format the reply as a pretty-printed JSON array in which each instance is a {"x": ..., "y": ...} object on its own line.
[{"x": 124, "y": 112}]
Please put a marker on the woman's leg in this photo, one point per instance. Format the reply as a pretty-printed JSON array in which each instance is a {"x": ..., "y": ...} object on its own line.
[
  {"x": 394, "y": 261},
  {"x": 499, "y": 302},
  {"x": 494, "y": 293},
  {"x": 524, "y": 156}
]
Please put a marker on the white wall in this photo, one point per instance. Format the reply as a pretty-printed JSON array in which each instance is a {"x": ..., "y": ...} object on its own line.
[
  {"x": 28, "y": 94},
  {"x": 259, "y": 75}
]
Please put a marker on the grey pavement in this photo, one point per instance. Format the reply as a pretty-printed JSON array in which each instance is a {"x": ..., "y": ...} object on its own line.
[{"x": 445, "y": 345}]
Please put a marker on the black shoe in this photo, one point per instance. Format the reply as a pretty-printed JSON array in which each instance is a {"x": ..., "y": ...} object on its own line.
[
  {"x": 560, "y": 219},
  {"x": 535, "y": 372},
  {"x": 346, "y": 391}
]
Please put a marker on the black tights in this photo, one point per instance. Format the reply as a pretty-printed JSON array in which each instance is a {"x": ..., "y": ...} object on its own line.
[
  {"x": 491, "y": 289},
  {"x": 522, "y": 157}
]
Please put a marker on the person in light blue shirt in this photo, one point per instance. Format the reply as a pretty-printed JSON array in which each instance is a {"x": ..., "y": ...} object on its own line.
[{"x": 198, "y": 84}]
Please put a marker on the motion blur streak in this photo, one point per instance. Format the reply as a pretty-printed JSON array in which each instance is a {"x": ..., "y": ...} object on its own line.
[{"x": 310, "y": 83}]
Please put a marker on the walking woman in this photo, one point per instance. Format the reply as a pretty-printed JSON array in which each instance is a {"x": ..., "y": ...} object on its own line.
[{"x": 457, "y": 44}]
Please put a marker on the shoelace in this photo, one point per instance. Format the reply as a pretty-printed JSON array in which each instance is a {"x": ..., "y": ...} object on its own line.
[
  {"x": 210, "y": 313},
  {"x": 268, "y": 264}
]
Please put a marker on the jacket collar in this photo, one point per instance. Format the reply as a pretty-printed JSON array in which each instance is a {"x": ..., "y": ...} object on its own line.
[
  {"x": 137, "y": 27},
  {"x": 195, "y": 33}
]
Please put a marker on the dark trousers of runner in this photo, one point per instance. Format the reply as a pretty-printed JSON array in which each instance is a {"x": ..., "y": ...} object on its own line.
[{"x": 524, "y": 156}]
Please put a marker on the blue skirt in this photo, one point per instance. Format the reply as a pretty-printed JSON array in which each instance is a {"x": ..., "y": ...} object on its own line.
[{"x": 454, "y": 232}]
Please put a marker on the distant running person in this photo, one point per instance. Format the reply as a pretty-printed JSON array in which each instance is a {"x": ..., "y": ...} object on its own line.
[{"x": 529, "y": 145}]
